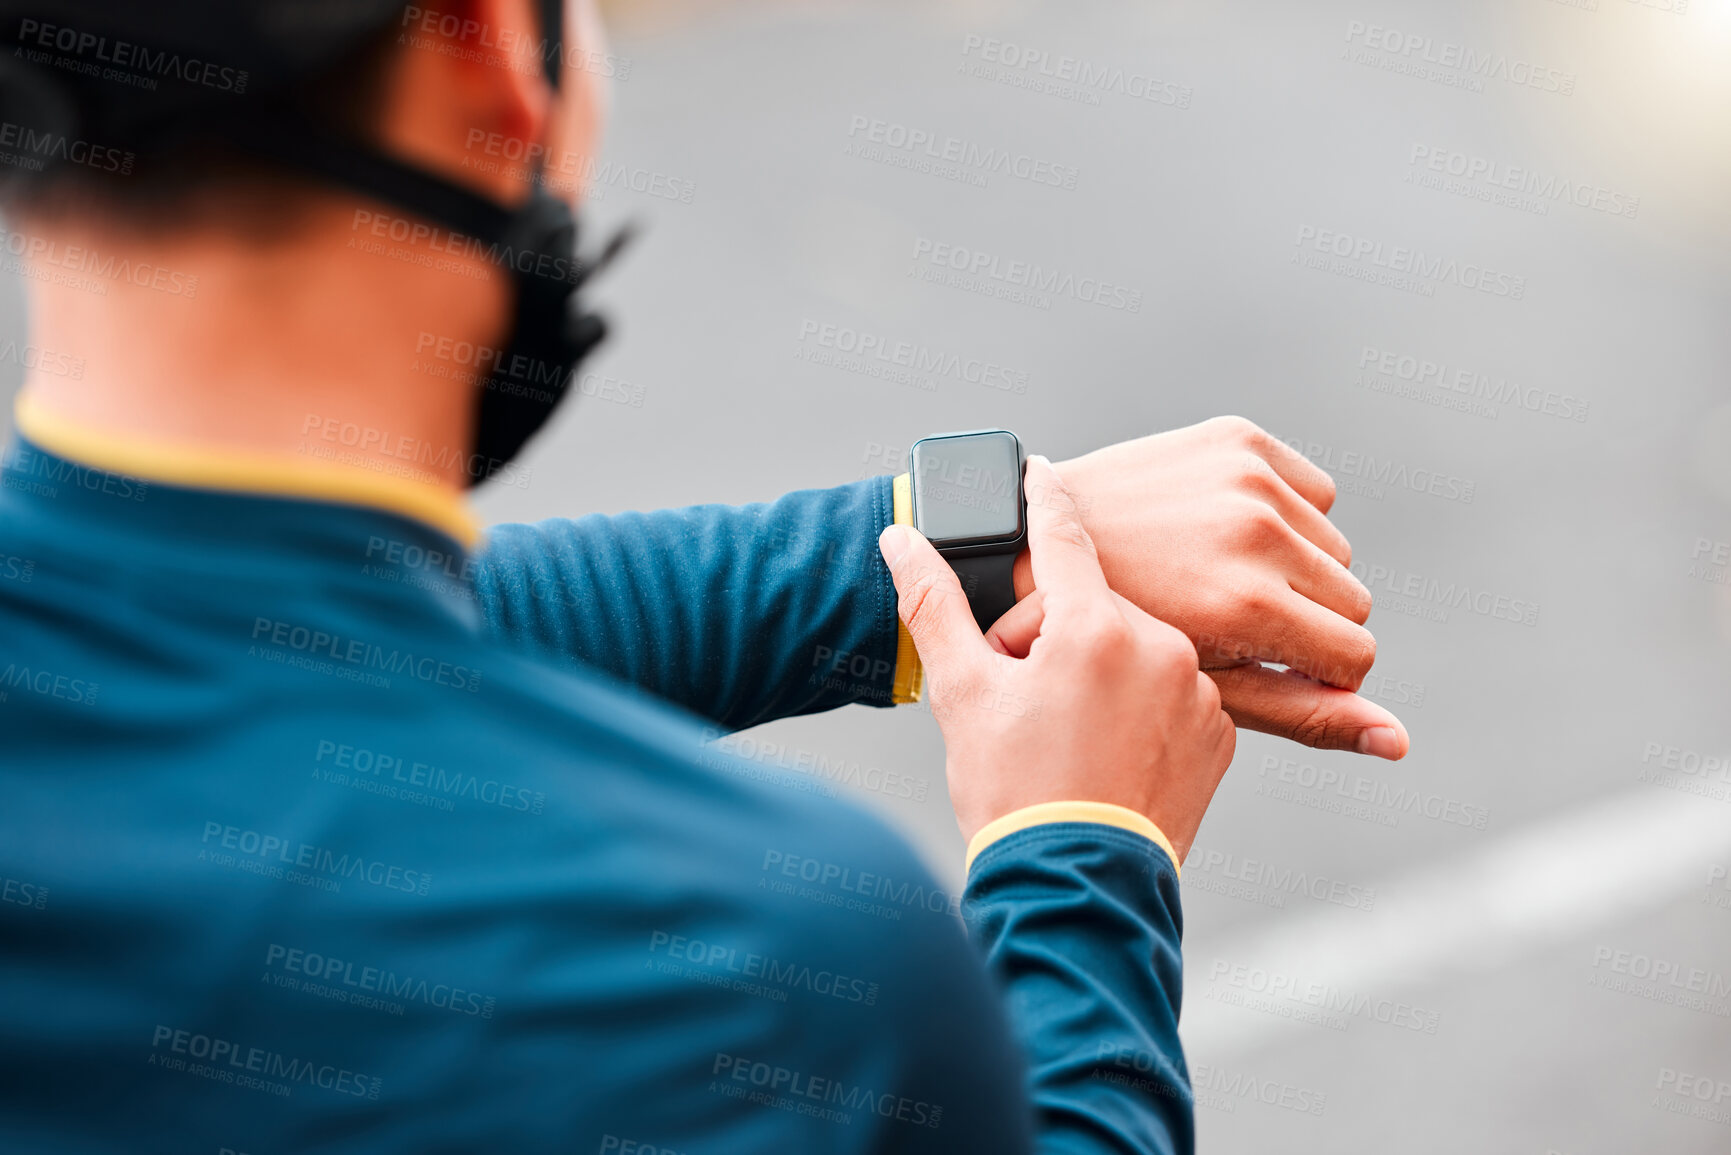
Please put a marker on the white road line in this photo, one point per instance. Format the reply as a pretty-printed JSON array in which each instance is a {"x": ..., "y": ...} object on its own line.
[{"x": 1549, "y": 881}]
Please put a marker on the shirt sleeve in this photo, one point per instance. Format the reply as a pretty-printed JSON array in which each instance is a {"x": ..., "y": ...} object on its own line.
[
  {"x": 1079, "y": 922},
  {"x": 741, "y": 614}
]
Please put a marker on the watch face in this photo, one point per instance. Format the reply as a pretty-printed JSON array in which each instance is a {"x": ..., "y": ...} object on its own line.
[{"x": 968, "y": 488}]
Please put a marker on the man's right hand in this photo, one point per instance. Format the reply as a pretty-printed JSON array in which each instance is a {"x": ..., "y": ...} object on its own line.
[{"x": 1093, "y": 701}]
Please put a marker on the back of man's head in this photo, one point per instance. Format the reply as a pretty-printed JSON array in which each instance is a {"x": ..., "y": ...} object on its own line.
[{"x": 130, "y": 110}]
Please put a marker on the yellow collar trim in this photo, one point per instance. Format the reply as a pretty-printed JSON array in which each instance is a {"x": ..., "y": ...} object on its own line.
[{"x": 199, "y": 467}]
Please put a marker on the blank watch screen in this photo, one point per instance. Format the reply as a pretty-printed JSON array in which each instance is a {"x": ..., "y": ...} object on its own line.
[{"x": 967, "y": 487}]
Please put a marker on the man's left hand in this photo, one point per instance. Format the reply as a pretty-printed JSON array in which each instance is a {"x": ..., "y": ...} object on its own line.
[{"x": 1222, "y": 531}]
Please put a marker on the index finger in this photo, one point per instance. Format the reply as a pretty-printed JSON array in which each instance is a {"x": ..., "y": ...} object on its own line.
[
  {"x": 1310, "y": 480},
  {"x": 1059, "y": 548}
]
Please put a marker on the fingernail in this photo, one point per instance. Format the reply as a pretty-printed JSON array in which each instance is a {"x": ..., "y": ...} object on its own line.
[
  {"x": 893, "y": 544},
  {"x": 1380, "y": 742}
]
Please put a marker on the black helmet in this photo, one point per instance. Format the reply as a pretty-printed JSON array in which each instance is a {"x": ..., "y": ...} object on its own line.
[{"x": 144, "y": 75}]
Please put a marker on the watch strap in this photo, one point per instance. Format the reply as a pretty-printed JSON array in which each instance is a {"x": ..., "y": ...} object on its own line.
[{"x": 990, "y": 583}]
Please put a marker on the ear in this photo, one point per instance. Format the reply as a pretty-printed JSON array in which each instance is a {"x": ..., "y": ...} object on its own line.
[{"x": 464, "y": 93}]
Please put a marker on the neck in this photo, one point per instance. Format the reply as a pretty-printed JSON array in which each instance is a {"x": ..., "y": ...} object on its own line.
[{"x": 314, "y": 341}]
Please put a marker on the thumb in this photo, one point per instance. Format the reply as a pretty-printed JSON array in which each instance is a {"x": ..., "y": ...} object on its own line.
[{"x": 931, "y": 603}]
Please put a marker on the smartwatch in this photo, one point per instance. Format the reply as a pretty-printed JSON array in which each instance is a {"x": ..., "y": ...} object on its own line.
[{"x": 968, "y": 502}]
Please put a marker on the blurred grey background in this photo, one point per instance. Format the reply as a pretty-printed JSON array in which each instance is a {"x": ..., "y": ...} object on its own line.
[{"x": 1361, "y": 976}]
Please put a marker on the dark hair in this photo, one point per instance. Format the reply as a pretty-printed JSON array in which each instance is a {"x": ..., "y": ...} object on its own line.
[{"x": 69, "y": 145}]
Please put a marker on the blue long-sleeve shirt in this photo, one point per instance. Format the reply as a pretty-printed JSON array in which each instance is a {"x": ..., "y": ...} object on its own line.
[
  {"x": 295, "y": 853},
  {"x": 742, "y": 614}
]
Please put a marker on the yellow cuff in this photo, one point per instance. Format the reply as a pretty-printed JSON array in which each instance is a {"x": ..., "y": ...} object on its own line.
[
  {"x": 1044, "y": 813},
  {"x": 910, "y": 676}
]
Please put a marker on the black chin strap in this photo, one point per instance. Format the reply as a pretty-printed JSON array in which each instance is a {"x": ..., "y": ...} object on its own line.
[
  {"x": 359, "y": 169},
  {"x": 535, "y": 243}
]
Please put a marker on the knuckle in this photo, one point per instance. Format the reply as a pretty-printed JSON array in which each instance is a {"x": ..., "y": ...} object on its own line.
[
  {"x": 1350, "y": 659},
  {"x": 1257, "y": 477},
  {"x": 1259, "y": 527},
  {"x": 1236, "y": 428},
  {"x": 1361, "y": 654},
  {"x": 1101, "y": 629},
  {"x": 1170, "y": 644},
  {"x": 1216, "y": 612},
  {"x": 1209, "y": 694},
  {"x": 1256, "y": 602}
]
